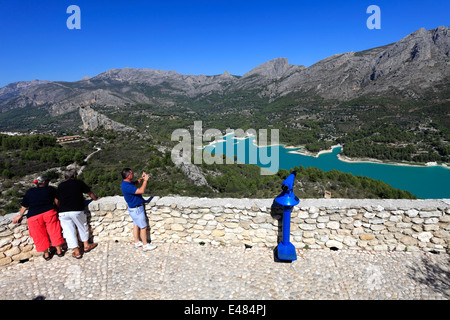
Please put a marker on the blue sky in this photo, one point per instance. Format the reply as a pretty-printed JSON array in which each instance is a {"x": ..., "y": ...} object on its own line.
[{"x": 194, "y": 37}]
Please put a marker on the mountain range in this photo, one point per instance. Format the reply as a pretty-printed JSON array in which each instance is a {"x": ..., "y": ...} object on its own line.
[{"x": 416, "y": 67}]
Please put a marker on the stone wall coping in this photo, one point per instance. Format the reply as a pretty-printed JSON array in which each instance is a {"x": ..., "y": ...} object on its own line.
[
  {"x": 247, "y": 203},
  {"x": 338, "y": 203}
]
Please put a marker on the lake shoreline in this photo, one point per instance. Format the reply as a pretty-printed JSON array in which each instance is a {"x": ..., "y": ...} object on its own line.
[
  {"x": 425, "y": 183},
  {"x": 359, "y": 160},
  {"x": 302, "y": 151}
]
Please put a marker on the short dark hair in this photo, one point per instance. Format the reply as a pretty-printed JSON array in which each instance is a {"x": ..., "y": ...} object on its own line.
[{"x": 125, "y": 172}]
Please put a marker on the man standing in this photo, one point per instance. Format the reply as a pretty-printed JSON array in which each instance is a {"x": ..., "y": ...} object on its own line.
[
  {"x": 70, "y": 202},
  {"x": 133, "y": 197}
]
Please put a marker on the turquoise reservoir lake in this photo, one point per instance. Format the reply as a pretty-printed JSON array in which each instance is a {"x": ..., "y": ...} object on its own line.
[{"x": 431, "y": 182}]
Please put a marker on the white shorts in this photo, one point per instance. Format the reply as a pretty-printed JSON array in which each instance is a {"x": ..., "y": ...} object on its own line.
[{"x": 70, "y": 222}]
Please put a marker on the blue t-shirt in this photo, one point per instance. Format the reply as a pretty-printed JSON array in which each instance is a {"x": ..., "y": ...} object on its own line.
[{"x": 132, "y": 199}]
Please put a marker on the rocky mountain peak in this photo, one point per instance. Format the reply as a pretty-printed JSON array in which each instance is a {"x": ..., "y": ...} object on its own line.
[
  {"x": 417, "y": 63},
  {"x": 16, "y": 88},
  {"x": 271, "y": 69}
]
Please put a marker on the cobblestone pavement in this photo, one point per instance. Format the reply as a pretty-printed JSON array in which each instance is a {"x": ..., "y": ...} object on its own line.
[{"x": 195, "y": 272}]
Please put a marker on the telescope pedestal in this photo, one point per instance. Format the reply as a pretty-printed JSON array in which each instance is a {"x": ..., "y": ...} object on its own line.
[
  {"x": 285, "y": 249},
  {"x": 287, "y": 199}
]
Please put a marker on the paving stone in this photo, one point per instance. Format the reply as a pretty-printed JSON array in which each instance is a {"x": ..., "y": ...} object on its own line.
[{"x": 118, "y": 271}]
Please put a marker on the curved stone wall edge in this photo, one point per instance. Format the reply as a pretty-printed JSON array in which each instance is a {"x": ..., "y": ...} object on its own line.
[{"x": 364, "y": 224}]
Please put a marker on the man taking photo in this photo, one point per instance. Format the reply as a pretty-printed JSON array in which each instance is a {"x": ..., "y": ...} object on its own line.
[{"x": 135, "y": 201}]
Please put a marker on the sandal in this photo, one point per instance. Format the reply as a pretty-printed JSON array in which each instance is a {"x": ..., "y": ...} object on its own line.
[
  {"x": 90, "y": 247},
  {"x": 76, "y": 254},
  {"x": 53, "y": 251},
  {"x": 47, "y": 258}
]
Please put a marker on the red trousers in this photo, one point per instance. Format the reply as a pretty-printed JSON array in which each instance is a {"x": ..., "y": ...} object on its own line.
[{"x": 43, "y": 226}]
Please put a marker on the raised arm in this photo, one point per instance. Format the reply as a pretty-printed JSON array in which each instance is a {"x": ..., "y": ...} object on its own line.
[{"x": 141, "y": 189}]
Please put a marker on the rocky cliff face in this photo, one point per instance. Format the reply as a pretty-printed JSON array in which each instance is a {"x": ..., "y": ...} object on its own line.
[
  {"x": 93, "y": 120},
  {"x": 409, "y": 68}
]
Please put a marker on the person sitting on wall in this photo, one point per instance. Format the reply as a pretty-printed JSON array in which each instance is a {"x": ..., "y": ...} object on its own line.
[
  {"x": 70, "y": 202},
  {"x": 42, "y": 217},
  {"x": 135, "y": 201}
]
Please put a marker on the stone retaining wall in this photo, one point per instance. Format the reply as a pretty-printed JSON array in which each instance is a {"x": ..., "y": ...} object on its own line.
[{"x": 409, "y": 225}]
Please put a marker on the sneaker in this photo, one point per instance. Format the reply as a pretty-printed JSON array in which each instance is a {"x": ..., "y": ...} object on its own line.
[
  {"x": 148, "y": 247},
  {"x": 138, "y": 244}
]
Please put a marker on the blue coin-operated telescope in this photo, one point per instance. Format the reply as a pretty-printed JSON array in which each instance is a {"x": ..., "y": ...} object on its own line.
[{"x": 287, "y": 199}]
